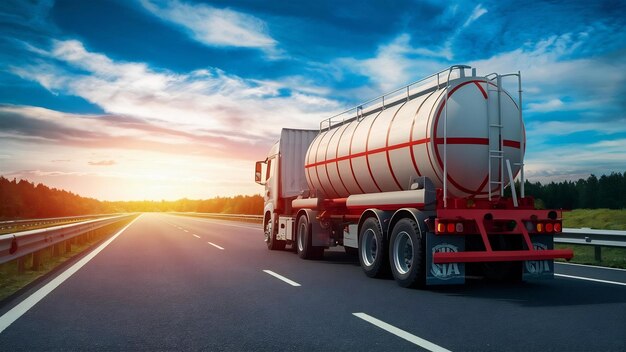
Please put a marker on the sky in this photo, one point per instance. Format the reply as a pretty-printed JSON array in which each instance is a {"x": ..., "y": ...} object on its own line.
[{"x": 165, "y": 99}]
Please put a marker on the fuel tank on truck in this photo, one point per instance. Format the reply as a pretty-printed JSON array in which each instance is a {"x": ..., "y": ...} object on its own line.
[{"x": 385, "y": 148}]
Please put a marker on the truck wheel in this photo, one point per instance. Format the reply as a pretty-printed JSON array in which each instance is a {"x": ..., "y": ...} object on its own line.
[
  {"x": 270, "y": 238},
  {"x": 373, "y": 249},
  {"x": 303, "y": 241},
  {"x": 406, "y": 253}
]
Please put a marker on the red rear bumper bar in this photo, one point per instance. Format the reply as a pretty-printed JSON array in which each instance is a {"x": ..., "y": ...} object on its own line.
[{"x": 501, "y": 256}]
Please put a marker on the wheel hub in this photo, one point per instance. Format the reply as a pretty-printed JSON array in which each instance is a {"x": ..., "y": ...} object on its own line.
[{"x": 403, "y": 253}]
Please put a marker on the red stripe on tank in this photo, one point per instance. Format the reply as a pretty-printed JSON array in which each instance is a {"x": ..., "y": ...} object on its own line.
[
  {"x": 326, "y": 165},
  {"x": 435, "y": 130},
  {"x": 411, "y": 134},
  {"x": 337, "y": 163},
  {"x": 451, "y": 140},
  {"x": 482, "y": 90},
  {"x": 393, "y": 174},
  {"x": 317, "y": 173},
  {"x": 350, "y": 158},
  {"x": 367, "y": 160}
]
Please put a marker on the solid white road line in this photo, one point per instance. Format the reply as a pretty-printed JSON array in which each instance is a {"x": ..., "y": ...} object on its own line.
[
  {"x": 196, "y": 236},
  {"x": 590, "y": 279},
  {"x": 9, "y": 317},
  {"x": 216, "y": 246},
  {"x": 590, "y": 266},
  {"x": 280, "y": 277},
  {"x": 401, "y": 333}
]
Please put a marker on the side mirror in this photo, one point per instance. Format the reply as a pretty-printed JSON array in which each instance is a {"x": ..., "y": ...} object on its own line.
[{"x": 258, "y": 172}]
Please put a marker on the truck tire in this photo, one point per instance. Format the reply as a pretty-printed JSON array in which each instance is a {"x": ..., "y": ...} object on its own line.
[
  {"x": 407, "y": 254},
  {"x": 303, "y": 241},
  {"x": 270, "y": 238},
  {"x": 373, "y": 249}
]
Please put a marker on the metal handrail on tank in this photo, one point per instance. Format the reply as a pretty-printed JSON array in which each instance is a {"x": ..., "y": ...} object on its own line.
[
  {"x": 358, "y": 109},
  {"x": 499, "y": 77}
]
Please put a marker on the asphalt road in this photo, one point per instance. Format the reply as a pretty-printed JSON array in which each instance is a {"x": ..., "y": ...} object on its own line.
[{"x": 177, "y": 283}]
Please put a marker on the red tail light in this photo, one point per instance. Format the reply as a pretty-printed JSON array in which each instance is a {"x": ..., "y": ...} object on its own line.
[{"x": 558, "y": 227}]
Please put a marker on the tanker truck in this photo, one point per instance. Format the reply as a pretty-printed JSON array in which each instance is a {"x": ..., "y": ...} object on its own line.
[{"x": 413, "y": 182}]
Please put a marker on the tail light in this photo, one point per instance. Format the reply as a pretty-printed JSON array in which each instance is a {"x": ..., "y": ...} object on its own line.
[
  {"x": 449, "y": 227},
  {"x": 548, "y": 227}
]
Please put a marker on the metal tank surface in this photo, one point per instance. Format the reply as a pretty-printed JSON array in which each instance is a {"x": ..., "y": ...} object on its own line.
[{"x": 384, "y": 148}]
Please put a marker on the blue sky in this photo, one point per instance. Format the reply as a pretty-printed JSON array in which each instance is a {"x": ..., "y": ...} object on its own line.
[{"x": 167, "y": 99}]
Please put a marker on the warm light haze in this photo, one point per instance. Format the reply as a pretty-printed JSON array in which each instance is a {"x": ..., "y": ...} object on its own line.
[{"x": 132, "y": 100}]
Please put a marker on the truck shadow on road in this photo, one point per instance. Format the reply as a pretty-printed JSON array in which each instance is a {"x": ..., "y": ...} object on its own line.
[
  {"x": 557, "y": 292},
  {"x": 537, "y": 293}
]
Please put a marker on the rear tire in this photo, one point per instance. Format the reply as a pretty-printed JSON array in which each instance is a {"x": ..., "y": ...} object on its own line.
[
  {"x": 373, "y": 249},
  {"x": 304, "y": 239},
  {"x": 270, "y": 238},
  {"x": 406, "y": 254}
]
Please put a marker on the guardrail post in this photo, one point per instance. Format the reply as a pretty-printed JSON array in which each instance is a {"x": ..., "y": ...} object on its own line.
[
  {"x": 598, "y": 253},
  {"x": 56, "y": 250},
  {"x": 21, "y": 265},
  {"x": 36, "y": 261}
]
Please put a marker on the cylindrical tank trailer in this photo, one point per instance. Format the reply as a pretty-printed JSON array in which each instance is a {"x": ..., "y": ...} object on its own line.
[
  {"x": 412, "y": 183},
  {"x": 383, "y": 151}
]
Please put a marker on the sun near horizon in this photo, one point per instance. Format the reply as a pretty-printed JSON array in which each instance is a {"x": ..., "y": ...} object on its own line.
[{"x": 179, "y": 98}]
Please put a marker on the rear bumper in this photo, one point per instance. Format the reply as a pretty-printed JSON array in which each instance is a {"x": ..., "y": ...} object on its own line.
[{"x": 501, "y": 256}]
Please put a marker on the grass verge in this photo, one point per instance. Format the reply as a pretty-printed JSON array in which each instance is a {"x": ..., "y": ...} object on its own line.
[
  {"x": 603, "y": 219},
  {"x": 12, "y": 280},
  {"x": 611, "y": 256}
]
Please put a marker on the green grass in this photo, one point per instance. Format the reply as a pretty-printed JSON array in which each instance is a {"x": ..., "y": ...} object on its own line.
[
  {"x": 611, "y": 256},
  {"x": 603, "y": 219}
]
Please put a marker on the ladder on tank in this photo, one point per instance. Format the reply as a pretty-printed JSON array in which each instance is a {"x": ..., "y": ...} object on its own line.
[{"x": 496, "y": 141}]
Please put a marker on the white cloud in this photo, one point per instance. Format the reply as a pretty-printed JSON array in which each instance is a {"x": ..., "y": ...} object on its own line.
[
  {"x": 207, "y": 99},
  {"x": 573, "y": 161},
  {"x": 213, "y": 26},
  {"x": 550, "y": 105},
  {"x": 399, "y": 62},
  {"x": 395, "y": 63},
  {"x": 550, "y": 74},
  {"x": 478, "y": 11}
]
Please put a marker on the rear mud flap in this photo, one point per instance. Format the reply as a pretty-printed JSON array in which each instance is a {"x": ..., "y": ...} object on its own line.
[
  {"x": 540, "y": 269},
  {"x": 444, "y": 274}
]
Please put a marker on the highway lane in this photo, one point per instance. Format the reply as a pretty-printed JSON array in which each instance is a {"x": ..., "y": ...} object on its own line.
[{"x": 171, "y": 282}]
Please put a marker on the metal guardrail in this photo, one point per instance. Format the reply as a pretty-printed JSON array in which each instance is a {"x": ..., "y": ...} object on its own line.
[
  {"x": 586, "y": 236},
  {"x": 17, "y": 224},
  {"x": 238, "y": 217},
  {"x": 18, "y": 244},
  {"x": 595, "y": 238}
]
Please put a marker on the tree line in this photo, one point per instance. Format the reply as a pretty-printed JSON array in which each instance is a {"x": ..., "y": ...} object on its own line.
[
  {"x": 608, "y": 191},
  {"x": 21, "y": 199}
]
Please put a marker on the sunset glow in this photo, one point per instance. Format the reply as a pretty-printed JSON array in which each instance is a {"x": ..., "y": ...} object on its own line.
[{"x": 124, "y": 100}]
